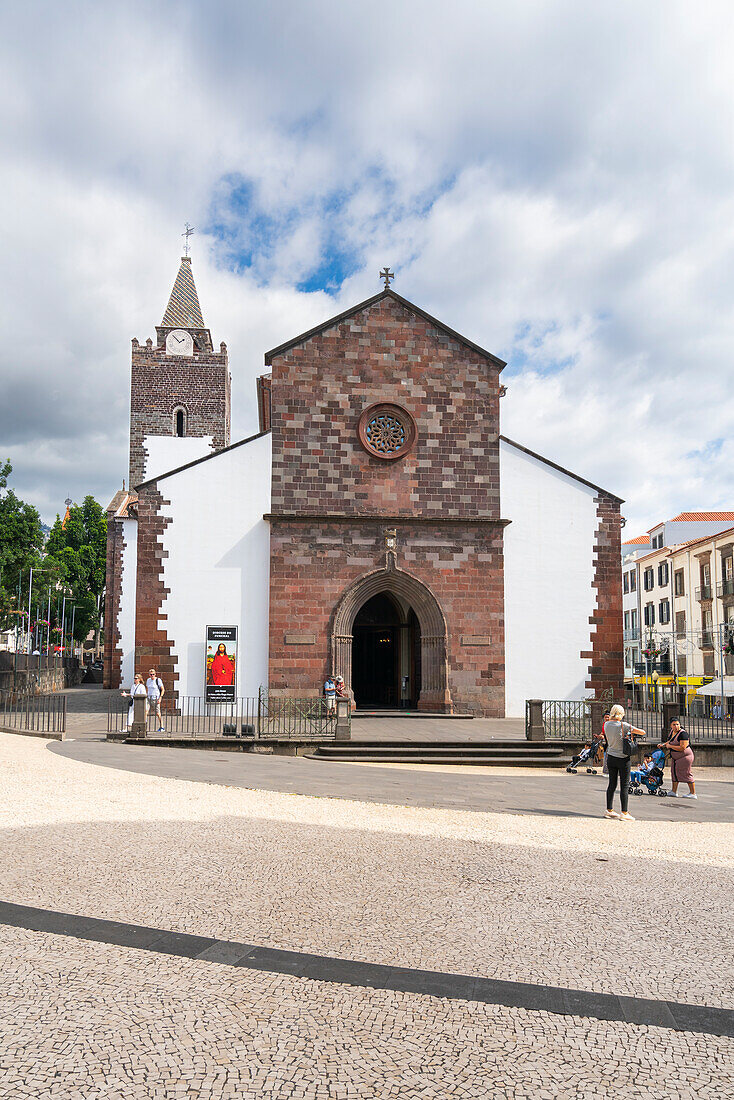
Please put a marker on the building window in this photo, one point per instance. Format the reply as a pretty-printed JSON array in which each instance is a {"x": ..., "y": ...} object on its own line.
[
  {"x": 728, "y": 569},
  {"x": 179, "y": 422},
  {"x": 649, "y": 614},
  {"x": 633, "y": 581},
  {"x": 680, "y": 587},
  {"x": 680, "y": 624},
  {"x": 663, "y": 573},
  {"x": 657, "y": 541},
  {"x": 649, "y": 579},
  {"x": 626, "y": 582},
  {"x": 664, "y": 611},
  {"x": 633, "y": 619},
  {"x": 626, "y": 620}
]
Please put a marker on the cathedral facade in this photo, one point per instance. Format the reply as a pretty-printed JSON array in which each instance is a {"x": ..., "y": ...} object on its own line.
[{"x": 378, "y": 527}]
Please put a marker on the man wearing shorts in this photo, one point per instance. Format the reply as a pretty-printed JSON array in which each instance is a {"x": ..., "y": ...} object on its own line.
[{"x": 156, "y": 691}]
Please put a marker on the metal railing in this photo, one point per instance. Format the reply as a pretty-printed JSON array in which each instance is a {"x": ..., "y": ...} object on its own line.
[
  {"x": 259, "y": 718},
  {"x": 704, "y": 592},
  {"x": 725, "y": 588},
  {"x": 33, "y": 713},
  {"x": 707, "y": 639},
  {"x": 704, "y": 727},
  {"x": 632, "y": 635},
  {"x": 567, "y": 719}
]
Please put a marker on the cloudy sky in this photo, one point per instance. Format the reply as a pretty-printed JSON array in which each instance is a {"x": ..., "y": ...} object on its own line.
[{"x": 552, "y": 178}]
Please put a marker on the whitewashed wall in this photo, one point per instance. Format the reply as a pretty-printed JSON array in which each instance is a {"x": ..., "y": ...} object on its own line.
[
  {"x": 126, "y": 616},
  {"x": 168, "y": 452},
  {"x": 218, "y": 564},
  {"x": 548, "y": 577}
]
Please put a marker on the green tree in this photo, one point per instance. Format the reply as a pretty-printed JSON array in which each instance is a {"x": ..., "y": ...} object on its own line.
[
  {"x": 77, "y": 548},
  {"x": 21, "y": 547}
]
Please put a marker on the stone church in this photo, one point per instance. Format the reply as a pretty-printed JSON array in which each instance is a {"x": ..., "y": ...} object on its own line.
[{"x": 378, "y": 526}]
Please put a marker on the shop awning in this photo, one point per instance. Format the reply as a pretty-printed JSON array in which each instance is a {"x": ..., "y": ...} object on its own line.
[{"x": 714, "y": 688}]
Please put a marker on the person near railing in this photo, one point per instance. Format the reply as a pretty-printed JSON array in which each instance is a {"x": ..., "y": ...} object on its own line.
[
  {"x": 155, "y": 690},
  {"x": 620, "y": 737},
  {"x": 138, "y": 688},
  {"x": 681, "y": 760},
  {"x": 330, "y": 695}
]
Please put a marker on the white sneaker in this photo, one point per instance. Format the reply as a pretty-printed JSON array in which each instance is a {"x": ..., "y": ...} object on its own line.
[
  {"x": 626, "y": 817},
  {"x": 689, "y": 796},
  {"x": 611, "y": 813},
  {"x": 672, "y": 794}
]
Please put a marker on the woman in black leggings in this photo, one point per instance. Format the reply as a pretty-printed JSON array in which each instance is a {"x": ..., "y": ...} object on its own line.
[{"x": 618, "y": 760}]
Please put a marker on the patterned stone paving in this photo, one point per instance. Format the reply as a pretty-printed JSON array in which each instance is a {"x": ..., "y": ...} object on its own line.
[{"x": 577, "y": 903}]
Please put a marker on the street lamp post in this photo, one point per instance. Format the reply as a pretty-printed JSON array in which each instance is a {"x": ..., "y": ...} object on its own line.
[{"x": 655, "y": 678}]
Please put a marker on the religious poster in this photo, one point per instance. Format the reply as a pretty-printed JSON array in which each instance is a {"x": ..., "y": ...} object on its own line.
[{"x": 221, "y": 664}]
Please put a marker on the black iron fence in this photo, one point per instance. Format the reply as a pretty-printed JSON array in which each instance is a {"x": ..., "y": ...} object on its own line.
[
  {"x": 567, "y": 719},
  {"x": 578, "y": 719},
  {"x": 262, "y": 717},
  {"x": 33, "y": 713}
]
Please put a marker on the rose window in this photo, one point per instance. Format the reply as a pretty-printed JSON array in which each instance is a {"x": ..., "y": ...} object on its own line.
[{"x": 387, "y": 431}]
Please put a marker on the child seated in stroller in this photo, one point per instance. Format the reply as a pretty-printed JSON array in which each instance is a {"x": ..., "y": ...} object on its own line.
[
  {"x": 586, "y": 756},
  {"x": 649, "y": 774}
]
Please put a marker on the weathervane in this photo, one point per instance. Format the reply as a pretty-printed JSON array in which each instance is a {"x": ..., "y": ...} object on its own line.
[
  {"x": 187, "y": 233},
  {"x": 387, "y": 275}
]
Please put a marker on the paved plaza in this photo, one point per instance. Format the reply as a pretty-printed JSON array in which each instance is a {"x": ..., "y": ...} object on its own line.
[{"x": 166, "y": 938}]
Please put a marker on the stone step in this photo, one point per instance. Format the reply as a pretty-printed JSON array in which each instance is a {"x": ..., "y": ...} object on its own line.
[
  {"x": 475, "y": 748},
  {"x": 468, "y": 761}
]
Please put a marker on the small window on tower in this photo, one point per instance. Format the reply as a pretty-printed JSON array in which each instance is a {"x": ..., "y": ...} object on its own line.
[{"x": 179, "y": 423}]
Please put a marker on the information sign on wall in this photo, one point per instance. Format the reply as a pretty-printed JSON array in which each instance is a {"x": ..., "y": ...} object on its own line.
[{"x": 221, "y": 664}]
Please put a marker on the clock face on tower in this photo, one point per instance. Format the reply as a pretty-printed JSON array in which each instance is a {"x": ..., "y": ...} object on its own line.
[{"x": 179, "y": 342}]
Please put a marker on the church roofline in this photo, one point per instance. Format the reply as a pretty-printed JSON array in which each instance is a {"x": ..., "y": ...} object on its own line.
[
  {"x": 561, "y": 469},
  {"x": 388, "y": 293},
  {"x": 198, "y": 461}
]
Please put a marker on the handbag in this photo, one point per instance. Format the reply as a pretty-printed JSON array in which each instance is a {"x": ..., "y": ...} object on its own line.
[{"x": 628, "y": 744}]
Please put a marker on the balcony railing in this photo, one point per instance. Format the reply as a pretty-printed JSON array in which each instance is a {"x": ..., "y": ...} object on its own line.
[
  {"x": 631, "y": 635},
  {"x": 726, "y": 588},
  {"x": 707, "y": 639},
  {"x": 704, "y": 592}
]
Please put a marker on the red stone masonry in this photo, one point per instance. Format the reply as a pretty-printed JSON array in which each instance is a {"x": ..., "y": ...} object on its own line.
[
  {"x": 442, "y": 497},
  {"x": 313, "y": 563},
  {"x": 160, "y": 384},
  {"x": 153, "y": 648},
  {"x": 113, "y": 595},
  {"x": 385, "y": 353},
  {"x": 606, "y": 670}
]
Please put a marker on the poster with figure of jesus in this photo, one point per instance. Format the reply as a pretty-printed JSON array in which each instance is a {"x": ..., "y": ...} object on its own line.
[{"x": 221, "y": 664}]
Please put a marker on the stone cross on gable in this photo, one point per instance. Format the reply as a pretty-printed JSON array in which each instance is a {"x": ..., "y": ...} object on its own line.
[{"x": 387, "y": 275}]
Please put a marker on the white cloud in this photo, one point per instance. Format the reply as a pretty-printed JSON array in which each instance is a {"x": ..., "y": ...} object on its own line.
[{"x": 552, "y": 178}]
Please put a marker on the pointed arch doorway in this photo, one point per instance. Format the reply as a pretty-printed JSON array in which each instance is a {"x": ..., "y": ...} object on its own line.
[{"x": 388, "y": 641}]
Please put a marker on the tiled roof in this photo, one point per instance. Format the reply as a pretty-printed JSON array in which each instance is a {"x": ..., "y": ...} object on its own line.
[
  {"x": 183, "y": 310},
  {"x": 641, "y": 540},
  {"x": 703, "y": 517},
  {"x": 704, "y": 538}
]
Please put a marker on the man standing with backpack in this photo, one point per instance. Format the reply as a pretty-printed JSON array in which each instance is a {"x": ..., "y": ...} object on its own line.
[{"x": 156, "y": 691}]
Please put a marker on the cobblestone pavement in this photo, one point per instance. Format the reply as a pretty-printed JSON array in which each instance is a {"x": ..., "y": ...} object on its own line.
[{"x": 571, "y": 902}]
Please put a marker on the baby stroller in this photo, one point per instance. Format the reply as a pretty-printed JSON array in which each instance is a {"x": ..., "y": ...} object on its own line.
[
  {"x": 652, "y": 782},
  {"x": 586, "y": 756}
]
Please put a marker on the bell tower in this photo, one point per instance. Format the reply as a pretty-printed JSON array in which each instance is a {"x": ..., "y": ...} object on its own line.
[{"x": 179, "y": 388}]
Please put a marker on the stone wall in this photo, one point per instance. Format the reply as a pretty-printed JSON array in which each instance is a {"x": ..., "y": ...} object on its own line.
[
  {"x": 385, "y": 353},
  {"x": 160, "y": 384},
  {"x": 42, "y": 681},
  {"x": 314, "y": 563},
  {"x": 152, "y": 645},
  {"x": 606, "y": 669}
]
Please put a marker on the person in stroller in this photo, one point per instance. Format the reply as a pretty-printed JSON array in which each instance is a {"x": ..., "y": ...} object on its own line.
[
  {"x": 586, "y": 756},
  {"x": 649, "y": 774}
]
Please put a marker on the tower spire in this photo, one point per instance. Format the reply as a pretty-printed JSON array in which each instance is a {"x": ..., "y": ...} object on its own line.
[{"x": 183, "y": 309}]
